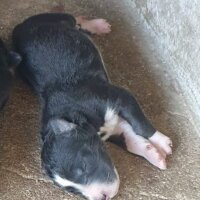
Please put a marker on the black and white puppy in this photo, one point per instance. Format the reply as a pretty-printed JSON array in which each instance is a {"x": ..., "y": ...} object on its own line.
[
  {"x": 80, "y": 107},
  {"x": 8, "y": 60}
]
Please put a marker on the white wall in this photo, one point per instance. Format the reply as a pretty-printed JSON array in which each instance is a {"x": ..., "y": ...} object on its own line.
[{"x": 175, "y": 26}]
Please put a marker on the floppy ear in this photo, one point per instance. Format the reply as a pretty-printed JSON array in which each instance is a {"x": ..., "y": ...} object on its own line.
[
  {"x": 14, "y": 58},
  {"x": 60, "y": 126}
]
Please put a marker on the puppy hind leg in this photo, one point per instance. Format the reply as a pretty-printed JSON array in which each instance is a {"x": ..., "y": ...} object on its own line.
[
  {"x": 162, "y": 142},
  {"x": 94, "y": 26},
  {"x": 131, "y": 112},
  {"x": 140, "y": 146}
]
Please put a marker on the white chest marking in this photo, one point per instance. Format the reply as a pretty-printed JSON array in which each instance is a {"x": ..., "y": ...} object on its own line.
[{"x": 111, "y": 124}]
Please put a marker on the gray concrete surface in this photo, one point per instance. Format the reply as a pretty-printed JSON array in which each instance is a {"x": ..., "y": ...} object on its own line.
[
  {"x": 133, "y": 63},
  {"x": 174, "y": 26}
]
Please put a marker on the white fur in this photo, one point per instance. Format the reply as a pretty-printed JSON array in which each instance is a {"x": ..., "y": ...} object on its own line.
[
  {"x": 60, "y": 125},
  {"x": 154, "y": 150},
  {"x": 162, "y": 142},
  {"x": 93, "y": 191},
  {"x": 138, "y": 145},
  {"x": 111, "y": 124},
  {"x": 64, "y": 182}
]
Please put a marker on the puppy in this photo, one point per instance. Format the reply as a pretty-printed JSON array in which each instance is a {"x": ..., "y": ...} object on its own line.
[
  {"x": 8, "y": 60},
  {"x": 80, "y": 107}
]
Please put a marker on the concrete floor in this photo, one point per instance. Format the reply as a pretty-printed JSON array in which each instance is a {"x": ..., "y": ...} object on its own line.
[{"x": 132, "y": 63}]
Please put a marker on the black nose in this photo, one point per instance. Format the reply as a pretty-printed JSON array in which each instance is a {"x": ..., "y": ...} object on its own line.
[{"x": 105, "y": 197}]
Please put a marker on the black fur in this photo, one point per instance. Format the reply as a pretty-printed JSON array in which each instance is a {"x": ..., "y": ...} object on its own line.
[
  {"x": 66, "y": 71},
  {"x": 8, "y": 60}
]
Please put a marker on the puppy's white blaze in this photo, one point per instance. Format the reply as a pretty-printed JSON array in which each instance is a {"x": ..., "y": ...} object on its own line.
[
  {"x": 64, "y": 182},
  {"x": 94, "y": 190}
]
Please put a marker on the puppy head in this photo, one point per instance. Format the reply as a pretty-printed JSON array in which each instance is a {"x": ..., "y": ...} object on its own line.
[{"x": 76, "y": 160}]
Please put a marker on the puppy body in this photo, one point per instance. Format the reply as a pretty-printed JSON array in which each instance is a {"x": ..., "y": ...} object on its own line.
[{"x": 79, "y": 105}]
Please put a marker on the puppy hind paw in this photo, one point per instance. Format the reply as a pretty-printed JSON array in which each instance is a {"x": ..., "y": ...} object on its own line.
[
  {"x": 155, "y": 157},
  {"x": 94, "y": 26},
  {"x": 162, "y": 142}
]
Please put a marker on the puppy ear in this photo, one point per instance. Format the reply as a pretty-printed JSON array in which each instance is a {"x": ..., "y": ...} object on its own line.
[
  {"x": 14, "y": 58},
  {"x": 60, "y": 126}
]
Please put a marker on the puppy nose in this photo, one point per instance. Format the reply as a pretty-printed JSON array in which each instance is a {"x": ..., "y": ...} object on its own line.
[{"x": 105, "y": 197}]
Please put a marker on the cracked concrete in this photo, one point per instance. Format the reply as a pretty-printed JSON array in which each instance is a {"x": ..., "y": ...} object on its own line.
[{"x": 133, "y": 63}]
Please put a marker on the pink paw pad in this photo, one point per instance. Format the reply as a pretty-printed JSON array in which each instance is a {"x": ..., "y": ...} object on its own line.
[
  {"x": 100, "y": 26},
  {"x": 94, "y": 26},
  {"x": 155, "y": 157},
  {"x": 162, "y": 142},
  {"x": 149, "y": 147}
]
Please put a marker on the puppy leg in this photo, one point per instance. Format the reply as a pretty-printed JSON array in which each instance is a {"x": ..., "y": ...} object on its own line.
[
  {"x": 162, "y": 142},
  {"x": 131, "y": 112},
  {"x": 140, "y": 137},
  {"x": 125, "y": 137},
  {"x": 94, "y": 26}
]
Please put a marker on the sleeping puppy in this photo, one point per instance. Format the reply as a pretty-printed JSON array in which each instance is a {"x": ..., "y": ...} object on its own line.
[
  {"x": 8, "y": 60},
  {"x": 80, "y": 107}
]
